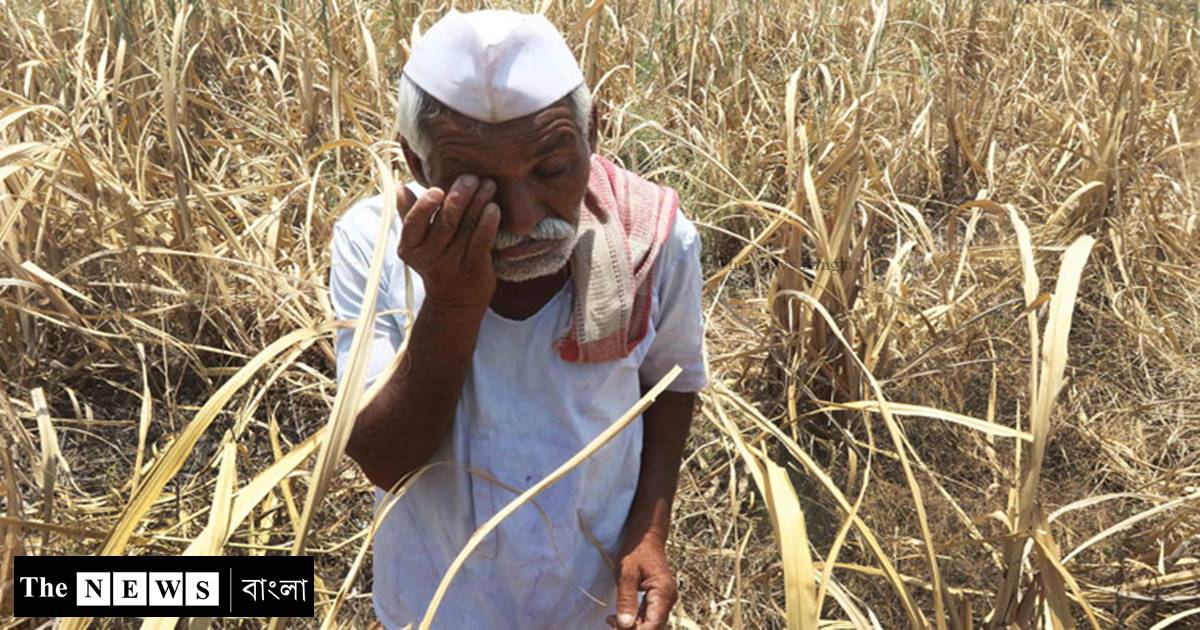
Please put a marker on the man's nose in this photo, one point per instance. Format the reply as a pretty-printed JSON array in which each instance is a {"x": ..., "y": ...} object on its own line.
[{"x": 519, "y": 210}]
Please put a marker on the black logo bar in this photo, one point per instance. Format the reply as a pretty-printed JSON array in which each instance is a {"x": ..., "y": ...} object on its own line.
[{"x": 157, "y": 586}]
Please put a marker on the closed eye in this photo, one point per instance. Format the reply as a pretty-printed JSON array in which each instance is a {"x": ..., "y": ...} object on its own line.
[{"x": 554, "y": 169}]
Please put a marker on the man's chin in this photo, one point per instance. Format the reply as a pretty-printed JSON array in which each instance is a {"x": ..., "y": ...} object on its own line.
[
  {"x": 529, "y": 269},
  {"x": 525, "y": 269}
]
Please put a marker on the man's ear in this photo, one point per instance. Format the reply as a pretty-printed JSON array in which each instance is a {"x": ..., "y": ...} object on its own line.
[
  {"x": 593, "y": 129},
  {"x": 415, "y": 165}
]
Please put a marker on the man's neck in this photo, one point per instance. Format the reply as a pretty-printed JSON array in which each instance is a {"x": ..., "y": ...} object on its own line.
[{"x": 520, "y": 300}]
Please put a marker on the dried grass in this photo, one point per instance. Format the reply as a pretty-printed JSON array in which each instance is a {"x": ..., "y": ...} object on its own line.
[{"x": 884, "y": 190}]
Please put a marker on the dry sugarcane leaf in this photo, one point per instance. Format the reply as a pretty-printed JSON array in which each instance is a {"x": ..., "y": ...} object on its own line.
[
  {"x": 596, "y": 444},
  {"x": 1169, "y": 622},
  {"x": 1007, "y": 596},
  {"x": 144, "y": 416},
  {"x": 220, "y": 515},
  {"x": 14, "y": 545},
  {"x": 52, "y": 458},
  {"x": 1053, "y": 365},
  {"x": 253, "y": 492},
  {"x": 799, "y": 587},
  {"x": 898, "y": 440},
  {"x": 350, "y": 391},
  {"x": 585, "y": 17},
  {"x": 916, "y": 617},
  {"x": 1130, "y": 522},
  {"x": 844, "y": 600},
  {"x": 1055, "y": 574},
  {"x": 905, "y": 409},
  {"x": 787, "y": 522},
  {"x": 179, "y": 450},
  {"x": 212, "y": 539},
  {"x": 47, "y": 278},
  {"x": 244, "y": 501}
]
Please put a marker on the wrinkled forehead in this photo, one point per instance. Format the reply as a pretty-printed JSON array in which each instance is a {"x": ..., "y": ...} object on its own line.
[{"x": 554, "y": 127}]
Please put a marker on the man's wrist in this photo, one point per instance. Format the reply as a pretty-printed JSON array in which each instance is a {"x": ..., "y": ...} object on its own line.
[
  {"x": 453, "y": 312},
  {"x": 653, "y": 536},
  {"x": 645, "y": 530}
]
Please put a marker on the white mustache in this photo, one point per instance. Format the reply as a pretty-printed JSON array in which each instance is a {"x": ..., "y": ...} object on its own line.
[{"x": 548, "y": 229}]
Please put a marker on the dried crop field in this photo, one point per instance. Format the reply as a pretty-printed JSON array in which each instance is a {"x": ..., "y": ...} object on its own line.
[{"x": 952, "y": 258}]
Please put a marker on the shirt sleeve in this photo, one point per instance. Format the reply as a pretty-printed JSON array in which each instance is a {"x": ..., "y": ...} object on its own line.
[
  {"x": 679, "y": 317},
  {"x": 349, "y": 266}
]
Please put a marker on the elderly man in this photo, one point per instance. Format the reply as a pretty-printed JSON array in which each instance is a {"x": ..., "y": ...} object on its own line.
[{"x": 551, "y": 289}]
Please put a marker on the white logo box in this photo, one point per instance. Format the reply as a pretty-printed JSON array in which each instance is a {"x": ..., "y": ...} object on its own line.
[{"x": 147, "y": 588}]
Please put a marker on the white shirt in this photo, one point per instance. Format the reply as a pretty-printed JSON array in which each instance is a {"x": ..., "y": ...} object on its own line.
[{"x": 522, "y": 413}]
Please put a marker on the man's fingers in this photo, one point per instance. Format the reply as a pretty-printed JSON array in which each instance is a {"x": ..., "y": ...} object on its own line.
[
  {"x": 627, "y": 600},
  {"x": 444, "y": 225},
  {"x": 479, "y": 251},
  {"x": 483, "y": 194},
  {"x": 404, "y": 200},
  {"x": 416, "y": 219},
  {"x": 657, "y": 604},
  {"x": 470, "y": 219}
]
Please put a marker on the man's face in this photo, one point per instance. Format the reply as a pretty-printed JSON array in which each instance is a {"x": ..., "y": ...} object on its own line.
[{"x": 540, "y": 165}]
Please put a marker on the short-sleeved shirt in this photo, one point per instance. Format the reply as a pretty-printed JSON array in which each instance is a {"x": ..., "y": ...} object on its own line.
[{"x": 523, "y": 412}]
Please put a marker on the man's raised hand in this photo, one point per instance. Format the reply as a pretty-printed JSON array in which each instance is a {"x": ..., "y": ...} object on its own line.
[{"x": 448, "y": 237}]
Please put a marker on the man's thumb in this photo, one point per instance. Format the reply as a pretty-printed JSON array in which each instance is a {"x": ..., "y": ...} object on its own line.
[{"x": 627, "y": 602}]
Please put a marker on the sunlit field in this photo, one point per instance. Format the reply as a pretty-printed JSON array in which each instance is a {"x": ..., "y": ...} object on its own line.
[{"x": 952, "y": 259}]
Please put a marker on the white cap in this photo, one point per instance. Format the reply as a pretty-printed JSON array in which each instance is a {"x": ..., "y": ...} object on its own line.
[{"x": 493, "y": 65}]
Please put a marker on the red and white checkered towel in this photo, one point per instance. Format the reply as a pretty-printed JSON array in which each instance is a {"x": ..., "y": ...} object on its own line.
[{"x": 622, "y": 226}]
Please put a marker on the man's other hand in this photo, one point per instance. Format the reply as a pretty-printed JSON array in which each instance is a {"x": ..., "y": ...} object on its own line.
[
  {"x": 643, "y": 566},
  {"x": 447, "y": 238}
]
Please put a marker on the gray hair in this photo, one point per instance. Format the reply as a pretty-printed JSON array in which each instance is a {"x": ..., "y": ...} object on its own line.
[{"x": 415, "y": 107}]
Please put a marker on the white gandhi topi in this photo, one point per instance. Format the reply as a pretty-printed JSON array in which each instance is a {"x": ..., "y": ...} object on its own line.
[{"x": 493, "y": 65}]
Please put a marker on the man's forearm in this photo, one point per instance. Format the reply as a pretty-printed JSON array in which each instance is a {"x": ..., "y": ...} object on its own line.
[
  {"x": 665, "y": 427},
  {"x": 402, "y": 427}
]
